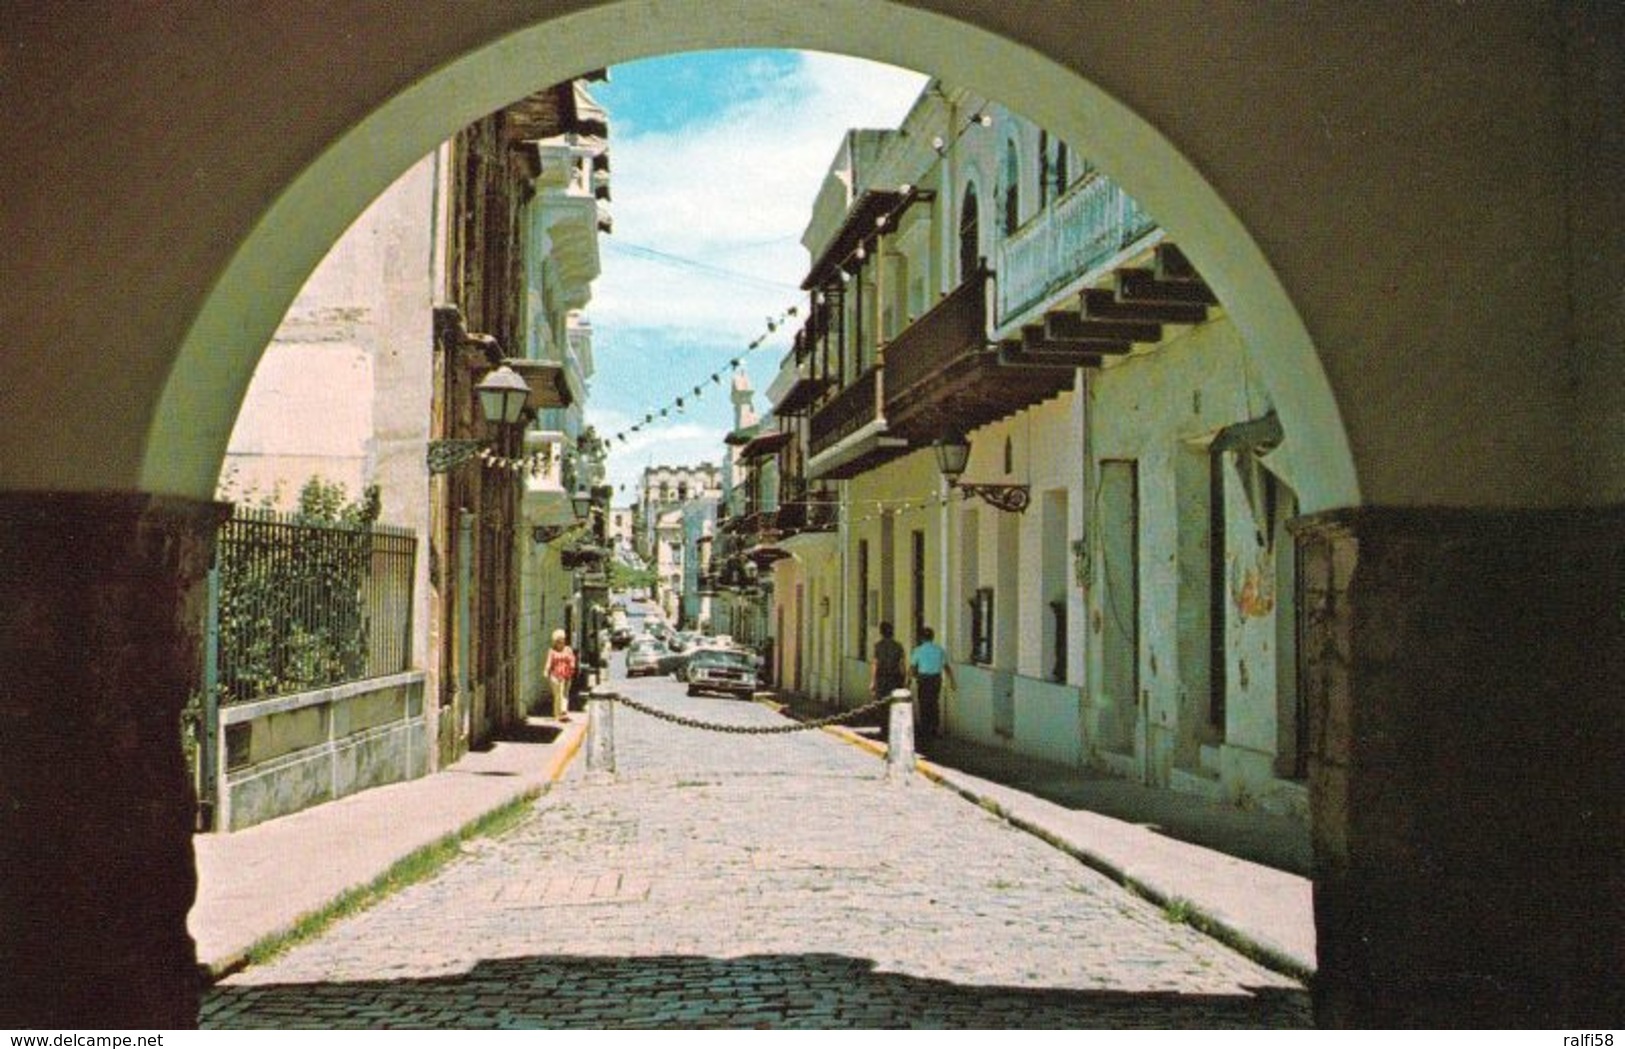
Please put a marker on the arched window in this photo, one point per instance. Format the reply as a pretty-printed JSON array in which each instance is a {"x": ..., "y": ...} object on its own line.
[
  {"x": 1012, "y": 188},
  {"x": 1043, "y": 168},
  {"x": 970, "y": 247}
]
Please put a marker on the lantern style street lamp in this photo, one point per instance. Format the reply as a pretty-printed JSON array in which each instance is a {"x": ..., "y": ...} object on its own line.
[
  {"x": 502, "y": 395},
  {"x": 953, "y": 454}
]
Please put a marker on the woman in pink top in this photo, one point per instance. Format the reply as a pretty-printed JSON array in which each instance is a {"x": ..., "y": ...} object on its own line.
[{"x": 561, "y": 670}]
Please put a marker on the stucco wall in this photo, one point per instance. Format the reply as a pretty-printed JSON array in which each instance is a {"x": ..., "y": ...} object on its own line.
[{"x": 342, "y": 392}]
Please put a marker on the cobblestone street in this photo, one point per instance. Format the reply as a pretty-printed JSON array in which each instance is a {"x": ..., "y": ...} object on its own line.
[{"x": 757, "y": 881}]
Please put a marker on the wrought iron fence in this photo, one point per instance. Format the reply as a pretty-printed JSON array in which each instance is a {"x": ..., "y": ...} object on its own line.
[{"x": 305, "y": 605}]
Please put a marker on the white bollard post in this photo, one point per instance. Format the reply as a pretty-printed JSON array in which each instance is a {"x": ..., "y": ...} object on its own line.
[
  {"x": 601, "y": 733},
  {"x": 900, "y": 733}
]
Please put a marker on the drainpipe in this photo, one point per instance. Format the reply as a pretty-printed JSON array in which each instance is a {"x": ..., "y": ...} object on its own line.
[
  {"x": 1084, "y": 529},
  {"x": 211, "y": 778},
  {"x": 843, "y": 525},
  {"x": 465, "y": 600},
  {"x": 945, "y": 597},
  {"x": 945, "y": 194}
]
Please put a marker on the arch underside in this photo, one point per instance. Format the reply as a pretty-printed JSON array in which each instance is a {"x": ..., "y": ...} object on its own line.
[{"x": 215, "y": 362}]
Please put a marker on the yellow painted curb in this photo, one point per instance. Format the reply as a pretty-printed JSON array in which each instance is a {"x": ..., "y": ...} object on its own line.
[{"x": 561, "y": 760}]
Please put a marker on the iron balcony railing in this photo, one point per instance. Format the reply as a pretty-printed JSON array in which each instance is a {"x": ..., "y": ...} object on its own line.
[
  {"x": 1093, "y": 221},
  {"x": 302, "y": 605}
]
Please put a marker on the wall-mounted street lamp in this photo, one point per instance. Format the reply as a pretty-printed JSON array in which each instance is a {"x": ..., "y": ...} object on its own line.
[
  {"x": 502, "y": 396},
  {"x": 580, "y": 507},
  {"x": 540, "y": 534},
  {"x": 953, "y": 453}
]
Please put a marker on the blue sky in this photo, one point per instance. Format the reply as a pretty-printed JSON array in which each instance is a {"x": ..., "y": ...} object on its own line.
[{"x": 715, "y": 160}]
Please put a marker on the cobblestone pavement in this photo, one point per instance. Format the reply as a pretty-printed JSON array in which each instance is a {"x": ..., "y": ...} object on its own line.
[{"x": 757, "y": 881}]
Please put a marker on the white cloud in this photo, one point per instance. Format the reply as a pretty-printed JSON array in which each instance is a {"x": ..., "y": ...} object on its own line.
[
  {"x": 731, "y": 190},
  {"x": 734, "y": 190}
]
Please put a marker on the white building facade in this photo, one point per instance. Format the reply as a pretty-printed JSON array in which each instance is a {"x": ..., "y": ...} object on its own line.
[{"x": 1110, "y": 573}]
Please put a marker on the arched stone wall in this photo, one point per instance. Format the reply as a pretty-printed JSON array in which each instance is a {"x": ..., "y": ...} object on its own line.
[
  {"x": 190, "y": 422},
  {"x": 1387, "y": 205},
  {"x": 1409, "y": 212}
]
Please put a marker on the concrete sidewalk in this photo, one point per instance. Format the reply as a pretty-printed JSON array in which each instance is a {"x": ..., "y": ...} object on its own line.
[{"x": 260, "y": 881}]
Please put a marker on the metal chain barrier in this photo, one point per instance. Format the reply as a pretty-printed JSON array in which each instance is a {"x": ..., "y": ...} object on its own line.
[{"x": 751, "y": 730}]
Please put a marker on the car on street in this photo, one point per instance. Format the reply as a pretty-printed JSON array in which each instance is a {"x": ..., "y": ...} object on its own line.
[
  {"x": 674, "y": 657},
  {"x": 643, "y": 657},
  {"x": 721, "y": 670}
]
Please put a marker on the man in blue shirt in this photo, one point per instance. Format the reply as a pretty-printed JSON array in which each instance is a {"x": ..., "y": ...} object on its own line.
[{"x": 927, "y": 664}]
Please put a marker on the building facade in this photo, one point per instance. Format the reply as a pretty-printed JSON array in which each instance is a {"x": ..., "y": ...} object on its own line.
[
  {"x": 1109, "y": 570},
  {"x": 526, "y": 199},
  {"x": 660, "y": 537},
  {"x": 340, "y": 397}
]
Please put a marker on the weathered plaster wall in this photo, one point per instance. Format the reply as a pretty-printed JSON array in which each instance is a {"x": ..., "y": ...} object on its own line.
[
  {"x": 545, "y": 588},
  {"x": 907, "y": 491},
  {"x": 1594, "y": 157},
  {"x": 1161, "y": 409}
]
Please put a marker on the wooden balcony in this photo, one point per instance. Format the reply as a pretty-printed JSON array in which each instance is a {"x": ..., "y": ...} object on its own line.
[
  {"x": 848, "y": 411},
  {"x": 800, "y": 381},
  {"x": 943, "y": 370},
  {"x": 812, "y": 514},
  {"x": 849, "y": 433},
  {"x": 1107, "y": 323}
]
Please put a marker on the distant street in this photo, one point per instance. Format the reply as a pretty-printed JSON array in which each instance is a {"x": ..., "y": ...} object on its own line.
[{"x": 757, "y": 881}]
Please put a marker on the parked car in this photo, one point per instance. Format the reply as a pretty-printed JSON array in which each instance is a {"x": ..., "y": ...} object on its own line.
[
  {"x": 721, "y": 670},
  {"x": 643, "y": 657},
  {"x": 620, "y": 637},
  {"x": 673, "y": 658}
]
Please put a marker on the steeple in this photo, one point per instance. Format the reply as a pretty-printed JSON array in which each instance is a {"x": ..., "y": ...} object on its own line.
[{"x": 743, "y": 395}]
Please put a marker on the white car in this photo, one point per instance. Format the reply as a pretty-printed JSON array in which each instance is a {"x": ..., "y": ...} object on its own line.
[{"x": 725, "y": 670}]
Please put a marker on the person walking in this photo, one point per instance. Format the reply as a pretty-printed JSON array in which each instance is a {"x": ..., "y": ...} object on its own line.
[
  {"x": 927, "y": 664},
  {"x": 561, "y": 671},
  {"x": 886, "y": 672}
]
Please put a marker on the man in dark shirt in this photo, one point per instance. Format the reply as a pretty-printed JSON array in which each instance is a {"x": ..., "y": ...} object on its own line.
[{"x": 886, "y": 673}]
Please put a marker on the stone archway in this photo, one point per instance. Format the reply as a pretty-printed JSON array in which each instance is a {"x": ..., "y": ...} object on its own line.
[
  {"x": 1395, "y": 210},
  {"x": 217, "y": 357}
]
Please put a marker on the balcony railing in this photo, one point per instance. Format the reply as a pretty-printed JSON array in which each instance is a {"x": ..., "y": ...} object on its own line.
[
  {"x": 812, "y": 514},
  {"x": 849, "y": 411},
  {"x": 800, "y": 379},
  {"x": 955, "y": 326},
  {"x": 546, "y": 451},
  {"x": 1088, "y": 225}
]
